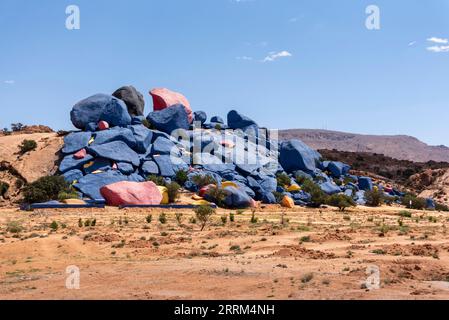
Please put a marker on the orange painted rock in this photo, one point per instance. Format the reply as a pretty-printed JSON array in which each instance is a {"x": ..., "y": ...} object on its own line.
[
  {"x": 287, "y": 202},
  {"x": 164, "y": 98},
  {"x": 131, "y": 193}
]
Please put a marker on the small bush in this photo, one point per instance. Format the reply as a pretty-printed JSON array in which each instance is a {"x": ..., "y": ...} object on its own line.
[
  {"x": 45, "y": 189},
  {"x": 317, "y": 194},
  {"x": 203, "y": 214},
  {"x": 301, "y": 179},
  {"x": 218, "y": 195},
  {"x": 93, "y": 223},
  {"x": 203, "y": 180},
  {"x": 224, "y": 219},
  {"x": 254, "y": 219},
  {"x": 16, "y": 127},
  {"x": 278, "y": 196},
  {"x": 416, "y": 203},
  {"x": 173, "y": 191},
  {"x": 14, "y": 227},
  {"x": 149, "y": 218},
  {"x": 68, "y": 194},
  {"x": 182, "y": 177},
  {"x": 179, "y": 218},
  {"x": 80, "y": 223},
  {"x": 283, "y": 180},
  {"x": 54, "y": 226},
  {"x": 158, "y": 180},
  {"x": 341, "y": 201},
  {"x": 231, "y": 217},
  {"x": 27, "y": 146},
  {"x": 374, "y": 198},
  {"x": 307, "y": 278},
  {"x": 163, "y": 218},
  {"x": 4, "y": 187},
  {"x": 441, "y": 207},
  {"x": 405, "y": 214}
]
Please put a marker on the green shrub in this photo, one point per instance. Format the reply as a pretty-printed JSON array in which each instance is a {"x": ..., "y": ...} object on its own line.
[
  {"x": 27, "y": 146},
  {"x": 54, "y": 226},
  {"x": 4, "y": 187},
  {"x": 283, "y": 180},
  {"x": 374, "y": 198},
  {"x": 68, "y": 194},
  {"x": 218, "y": 194},
  {"x": 203, "y": 215},
  {"x": 301, "y": 179},
  {"x": 163, "y": 218},
  {"x": 14, "y": 227},
  {"x": 173, "y": 191},
  {"x": 231, "y": 217},
  {"x": 317, "y": 194},
  {"x": 416, "y": 203},
  {"x": 45, "y": 189},
  {"x": 224, "y": 219},
  {"x": 278, "y": 196},
  {"x": 405, "y": 214},
  {"x": 149, "y": 218},
  {"x": 441, "y": 207},
  {"x": 182, "y": 177},
  {"x": 203, "y": 180},
  {"x": 179, "y": 217},
  {"x": 218, "y": 127},
  {"x": 341, "y": 201},
  {"x": 158, "y": 180}
]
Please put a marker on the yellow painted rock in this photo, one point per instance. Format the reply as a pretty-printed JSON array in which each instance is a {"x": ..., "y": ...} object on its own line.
[
  {"x": 91, "y": 140},
  {"x": 287, "y": 202},
  {"x": 164, "y": 193},
  {"x": 97, "y": 171},
  {"x": 201, "y": 203},
  {"x": 229, "y": 184},
  {"x": 197, "y": 197},
  {"x": 88, "y": 165},
  {"x": 294, "y": 188},
  {"x": 73, "y": 201}
]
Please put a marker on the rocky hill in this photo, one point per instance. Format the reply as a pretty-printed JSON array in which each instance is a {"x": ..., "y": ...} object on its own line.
[{"x": 399, "y": 147}]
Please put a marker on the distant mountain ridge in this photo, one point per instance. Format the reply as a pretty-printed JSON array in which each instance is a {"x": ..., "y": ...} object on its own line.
[{"x": 400, "y": 147}]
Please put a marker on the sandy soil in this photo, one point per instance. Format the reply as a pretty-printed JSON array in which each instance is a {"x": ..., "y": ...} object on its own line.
[{"x": 314, "y": 254}]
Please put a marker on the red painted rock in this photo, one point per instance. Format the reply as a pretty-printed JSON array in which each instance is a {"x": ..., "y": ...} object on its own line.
[
  {"x": 164, "y": 98},
  {"x": 205, "y": 189},
  {"x": 80, "y": 154},
  {"x": 131, "y": 193},
  {"x": 103, "y": 125}
]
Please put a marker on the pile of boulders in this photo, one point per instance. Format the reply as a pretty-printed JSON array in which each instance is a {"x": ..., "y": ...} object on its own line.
[{"x": 118, "y": 148}]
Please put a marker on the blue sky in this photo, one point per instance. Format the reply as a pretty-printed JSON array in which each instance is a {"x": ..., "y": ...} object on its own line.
[{"x": 285, "y": 63}]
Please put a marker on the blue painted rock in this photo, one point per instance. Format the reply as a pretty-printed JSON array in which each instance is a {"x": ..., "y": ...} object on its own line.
[
  {"x": 76, "y": 141},
  {"x": 117, "y": 151},
  {"x": 170, "y": 119},
  {"x": 132, "y": 98},
  {"x": 296, "y": 155}
]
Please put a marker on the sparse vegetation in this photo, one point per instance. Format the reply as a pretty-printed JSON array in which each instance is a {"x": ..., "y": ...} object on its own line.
[
  {"x": 405, "y": 214},
  {"x": 203, "y": 215},
  {"x": 317, "y": 194},
  {"x": 203, "y": 180},
  {"x": 158, "y": 180},
  {"x": 4, "y": 187},
  {"x": 178, "y": 216},
  {"x": 149, "y": 218},
  {"x": 341, "y": 201},
  {"x": 14, "y": 227},
  {"x": 181, "y": 177},
  {"x": 173, "y": 191},
  {"x": 45, "y": 189},
  {"x": 27, "y": 146},
  {"x": 54, "y": 226},
  {"x": 413, "y": 202},
  {"x": 218, "y": 195},
  {"x": 283, "y": 180},
  {"x": 374, "y": 198},
  {"x": 163, "y": 218}
]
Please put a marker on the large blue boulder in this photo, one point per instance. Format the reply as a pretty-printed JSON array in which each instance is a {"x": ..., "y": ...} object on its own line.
[
  {"x": 100, "y": 107},
  {"x": 143, "y": 137},
  {"x": 360, "y": 198},
  {"x": 117, "y": 151},
  {"x": 170, "y": 119},
  {"x": 150, "y": 168},
  {"x": 125, "y": 168},
  {"x": 72, "y": 175},
  {"x": 302, "y": 196},
  {"x": 239, "y": 121},
  {"x": 430, "y": 204},
  {"x": 330, "y": 188},
  {"x": 296, "y": 155},
  {"x": 217, "y": 120},
  {"x": 266, "y": 182},
  {"x": 200, "y": 116},
  {"x": 365, "y": 184},
  {"x": 76, "y": 141},
  {"x": 338, "y": 169},
  {"x": 115, "y": 134},
  {"x": 164, "y": 146},
  {"x": 91, "y": 184},
  {"x": 268, "y": 198},
  {"x": 165, "y": 164},
  {"x": 236, "y": 199},
  {"x": 70, "y": 163}
]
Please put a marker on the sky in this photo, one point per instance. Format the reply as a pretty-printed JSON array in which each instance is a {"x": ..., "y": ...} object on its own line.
[{"x": 284, "y": 63}]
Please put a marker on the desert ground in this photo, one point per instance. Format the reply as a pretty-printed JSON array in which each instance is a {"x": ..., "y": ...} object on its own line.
[{"x": 286, "y": 254}]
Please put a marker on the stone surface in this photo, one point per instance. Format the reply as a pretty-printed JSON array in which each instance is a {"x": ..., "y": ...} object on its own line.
[
  {"x": 133, "y": 99},
  {"x": 131, "y": 193}
]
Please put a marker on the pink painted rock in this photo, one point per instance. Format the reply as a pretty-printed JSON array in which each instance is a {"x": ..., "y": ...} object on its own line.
[
  {"x": 115, "y": 166},
  {"x": 131, "y": 193},
  {"x": 80, "y": 154},
  {"x": 103, "y": 125},
  {"x": 164, "y": 98}
]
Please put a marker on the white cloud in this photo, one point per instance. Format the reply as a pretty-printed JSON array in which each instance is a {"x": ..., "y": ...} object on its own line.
[
  {"x": 438, "y": 49},
  {"x": 244, "y": 58},
  {"x": 276, "y": 55},
  {"x": 293, "y": 20},
  {"x": 438, "y": 40},
  {"x": 11, "y": 82},
  {"x": 412, "y": 43}
]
